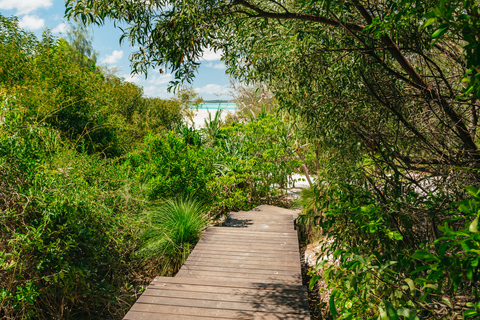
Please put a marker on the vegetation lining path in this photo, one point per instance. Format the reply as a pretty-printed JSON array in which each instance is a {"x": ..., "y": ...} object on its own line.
[{"x": 247, "y": 269}]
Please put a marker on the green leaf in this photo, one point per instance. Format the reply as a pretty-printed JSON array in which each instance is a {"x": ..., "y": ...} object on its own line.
[
  {"x": 392, "y": 313},
  {"x": 422, "y": 254},
  {"x": 447, "y": 301},
  {"x": 474, "y": 226},
  {"x": 359, "y": 259},
  {"x": 472, "y": 190},
  {"x": 409, "y": 314},
  {"x": 383, "y": 314},
  {"x": 331, "y": 304},
  {"x": 427, "y": 23},
  {"x": 440, "y": 32},
  {"x": 463, "y": 208},
  {"x": 470, "y": 313},
  {"x": 313, "y": 281},
  {"x": 410, "y": 283}
]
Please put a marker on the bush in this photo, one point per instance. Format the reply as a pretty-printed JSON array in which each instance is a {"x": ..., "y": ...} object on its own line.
[
  {"x": 384, "y": 269},
  {"x": 169, "y": 167},
  {"x": 67, "y": 234},
  {"x": 173, "y": 231}
]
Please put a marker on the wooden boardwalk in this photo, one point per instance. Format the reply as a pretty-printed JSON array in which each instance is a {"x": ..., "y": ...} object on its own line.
[{"x": 247, "y": 269}]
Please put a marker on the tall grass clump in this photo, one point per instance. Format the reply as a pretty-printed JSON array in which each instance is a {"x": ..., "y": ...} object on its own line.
[{"x": 173, "y": 231}]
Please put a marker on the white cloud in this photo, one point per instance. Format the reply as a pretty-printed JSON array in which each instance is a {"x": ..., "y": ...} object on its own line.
[
  {"x": 209, "y": 55},
  {"x": 113, "y": 58},
  {"x": 154, "y": 85},
  {"x": 133, "y": 78},
  {"x": 161, "y": 79},
  {"x": 151, "y": 80},
  {"x": 157, "y": 92},
  {"x": 61, "y": 28},
  {"x": 24, "y": 6},
  {"x": 220, "y": 65},
  {"x": 215, "y": 89},
  {"x": 31, "y": 23}
]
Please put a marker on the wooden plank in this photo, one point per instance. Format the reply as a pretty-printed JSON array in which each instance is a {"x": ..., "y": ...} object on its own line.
[
  {"x": 242, "y": 265},
  {"x": 160, "y": 281},
  {"x": 289, "y": 215},
  {"x": 133, "y": 315},
  {"x": 207, "y": 289},
  {"x": 244, "y": 233},
  {"x": 229, "y": 230},
  {"x": 253, "y": 246},
  {"x": 283, "y": 217},
  {"x": 216, "y": 247},
  {"x": 232, "y": 240},
  {"x": 263, "y": 228},
  {"x": 239, "y": 275},
  {"x": 241, "y": 221},
  {"x": 258, "y": 220},
  {"x": 199, "y": 256},
  {"x": 243, "y": 261},
  {"x": 232, "y": 243},
  {"x": 228, "y": 305},
  {"x": 223, "y": 277},
  {"x": 159, "y": 312},
  {"x": 206, "y": 250},
  {"x": 257, "y": 245},
  {"x": 232, "y": 269},
  {"x": 275, "y": 298},
  {"x": 248, "y": 232},
  {"x": 221, "y": 238}
]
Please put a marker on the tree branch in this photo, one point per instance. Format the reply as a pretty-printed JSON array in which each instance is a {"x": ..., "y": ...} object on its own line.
[{"x": 297, "y": 16}]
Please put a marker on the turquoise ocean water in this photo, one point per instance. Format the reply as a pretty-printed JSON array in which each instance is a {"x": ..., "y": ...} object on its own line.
[{"x": 216, "y": 106}]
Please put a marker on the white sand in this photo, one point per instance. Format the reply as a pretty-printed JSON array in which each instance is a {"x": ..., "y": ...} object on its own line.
[{"x": 202, "y": 114}]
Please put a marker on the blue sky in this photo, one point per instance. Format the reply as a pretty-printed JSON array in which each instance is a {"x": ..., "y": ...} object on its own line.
[{"x": 35, "y": 15}]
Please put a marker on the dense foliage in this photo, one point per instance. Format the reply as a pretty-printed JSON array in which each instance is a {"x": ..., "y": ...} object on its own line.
[
  {"x": 102, "y": 188},
  {"x": 388, "y": 93}
]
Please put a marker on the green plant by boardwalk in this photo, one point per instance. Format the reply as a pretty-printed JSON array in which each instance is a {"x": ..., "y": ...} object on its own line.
[
  {"x": 379, "y": 272},
  {"x": 173, "y": 230},
  {"x": 453, "y": 266}
]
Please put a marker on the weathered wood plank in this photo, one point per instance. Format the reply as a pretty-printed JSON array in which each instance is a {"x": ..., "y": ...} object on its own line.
[
  {"x": 241, "y": 256},
  {"x": 275, "y": 298},
  {"x": 229, "y": 230},
  {"x": 232, "y": 269},
  {"x": 214, "y": 247},
  {"x": 149, "y": 312},
  {"x": 242, "y": 265},
  {"x": 206, "y": 289},
  {"x": 228, "y": 305},
  {"x": 206, "y": 250},
  {"x": 160, "y": 281},
  {"x": 248, "y": 236},
  {"x": 279, "y": 247},
  {"x": 244, "y": 275},
  {"x": 246, "y": 261}
]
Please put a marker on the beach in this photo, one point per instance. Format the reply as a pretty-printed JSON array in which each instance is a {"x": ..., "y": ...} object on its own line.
[{"x": 203, "y": 114}]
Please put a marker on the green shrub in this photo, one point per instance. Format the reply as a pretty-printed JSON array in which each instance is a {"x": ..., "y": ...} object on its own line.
[
  {"x": 173, "y": 231},
  {"x": 385, "y": 269},
  {"x": 169, "y": 167},
  {"x": 67, "y": 232}
]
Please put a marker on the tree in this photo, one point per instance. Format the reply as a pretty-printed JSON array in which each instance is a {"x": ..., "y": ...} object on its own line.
[
  {"x": 375, "y": 40},
  {"x": 388, "y": 89},
  {"x": 80, "y": 40}
]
